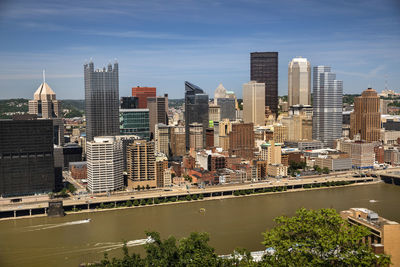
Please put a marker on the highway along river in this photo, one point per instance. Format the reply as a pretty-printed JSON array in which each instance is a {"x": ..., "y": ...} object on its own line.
[{"x": 232, "y": 223}]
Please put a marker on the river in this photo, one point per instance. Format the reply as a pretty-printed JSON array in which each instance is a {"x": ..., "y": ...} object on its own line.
[{"x": 232, "y": 223}]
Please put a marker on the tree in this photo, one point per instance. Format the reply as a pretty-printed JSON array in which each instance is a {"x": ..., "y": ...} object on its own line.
[
  {"x": 325, "y": 170},
  {"x": 143, "y": 202},
  {"x": 138, "y": 188},
  {"x": 318, "y": 169},
  {"x": 136, "y": 202},
  {"x": 147, "y": 187},
  {"x": 71, "y": 188},
  {"x": 319, "y": 238}
]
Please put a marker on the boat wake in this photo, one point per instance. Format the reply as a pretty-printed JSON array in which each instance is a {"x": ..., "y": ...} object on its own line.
[
  {"x": 55, "y": 225},
  {"x": 107, "y": 246},
  {"x": 373, "y": 201}
]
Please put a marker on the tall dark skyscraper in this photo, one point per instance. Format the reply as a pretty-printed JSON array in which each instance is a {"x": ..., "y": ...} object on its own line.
[
  {"x": 101, "y": 100},
  {"x": 26, "y": 157},
  {"x": 196, "y": 109},
  {"x": 264, "y": 69}
]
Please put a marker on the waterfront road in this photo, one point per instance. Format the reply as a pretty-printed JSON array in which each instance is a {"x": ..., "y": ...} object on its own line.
[{"x": 35, "y": 202}]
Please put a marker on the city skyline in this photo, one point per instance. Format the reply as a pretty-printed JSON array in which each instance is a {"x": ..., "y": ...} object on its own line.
[{"x": 154, "y": 47}]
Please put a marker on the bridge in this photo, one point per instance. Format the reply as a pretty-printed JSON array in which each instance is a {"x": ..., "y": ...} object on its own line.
[{"x": 391, "y": 178}]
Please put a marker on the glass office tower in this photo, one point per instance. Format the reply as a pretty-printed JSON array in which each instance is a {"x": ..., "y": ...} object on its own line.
[
  {"x": 327, "y": 106},
  {"x": 101, "y": 101},
  {"x": 196, "y": 109}
]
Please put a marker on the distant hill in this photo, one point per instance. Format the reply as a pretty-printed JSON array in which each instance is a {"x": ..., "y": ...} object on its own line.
[
  {"x": 176, "y": 102},
  {"x": 72, "y": 103},
  {"x": 9, "y": 107}
]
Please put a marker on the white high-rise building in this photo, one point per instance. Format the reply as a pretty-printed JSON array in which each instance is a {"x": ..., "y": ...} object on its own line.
[
  {"x": 254, "y": 103},
  {"x": 327, "y": 106},
  {"x": 104, "y": 164},
  {"x": 299, "y": 82}
]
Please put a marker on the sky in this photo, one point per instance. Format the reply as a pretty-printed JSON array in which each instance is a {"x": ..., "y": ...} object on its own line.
[{"x": 164, "y": 43}]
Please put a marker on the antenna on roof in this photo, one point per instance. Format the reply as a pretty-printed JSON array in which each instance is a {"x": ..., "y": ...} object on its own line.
[{"x": 44, "y": 76}]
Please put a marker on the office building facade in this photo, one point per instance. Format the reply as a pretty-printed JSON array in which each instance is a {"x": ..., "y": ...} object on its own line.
[
  {"x": 365, "y": 120},
  {"x": 241, "y": 140},
  {"x": 101, "y": 101},
  {"x": 158, "y": 109},
  {"x": 196, "y": 109},
  {"x": 254, "y": 103},
  {"x": 135, "y": 121},
  {"x": 141, "y": 164},
  {"x": 104, "y": 164},
  {"x": 227, "y": 108},
  {"x": 129, "y": 102},
  {"x": 327, "y": 106},
  {"x": 299, "y": 82},
  {"x": 196, "y": 136},
  {"x": 142, "y": 93},
  {"x": 45, "y": 105},
  {"x": 264, "y": 69},
  {"x": 26, "y": 157}
]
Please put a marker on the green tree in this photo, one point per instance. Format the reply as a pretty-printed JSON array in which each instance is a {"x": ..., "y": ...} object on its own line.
[
  {"x": 319, "y": 238},
  {"x": 143, "y": 202},
  {"x": 318, "y": 169},
  {"x": 138, "y": 188},
  {"x": 136, "y": 202},
  {"x": 129, "y": 203},
  {"x": 325, "y": 170},
  {"x": 71, "y": 188},
  {"x": 147, "y": 187}
]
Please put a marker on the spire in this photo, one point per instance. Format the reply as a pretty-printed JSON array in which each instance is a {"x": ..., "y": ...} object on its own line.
[{"x": 44, "y": 76}]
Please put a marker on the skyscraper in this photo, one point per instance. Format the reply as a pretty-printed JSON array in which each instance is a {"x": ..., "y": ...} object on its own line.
[
  {"x": 241, "y": 140},
  {"x": 196, "y": 109},
  {"x": 104, "y": 164},
  {"x": 141, "y": 164},
  {"x": 299, "y": 82},
  {"x": 101, "y": 100},
  {"x": 227, "y": 108},
  {"x": 366, "y": 118},
  {"x": 264, "y": 69},
  {"x": 46, "y": 106},
  {"x": 254, "y": 103},
  {"x": 158, "y": 108},
  {"x": 327, "y": 106},
  {"x": 142, "y": 93},
  {"x": 26, "y": 157}
]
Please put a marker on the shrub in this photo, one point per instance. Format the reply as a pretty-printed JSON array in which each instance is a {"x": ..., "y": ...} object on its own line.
[
  {"x": 149, "y": 201},
  {"x": 129, "y": 203},
  {"x": 143, "y": 202},
  {"x": 236, "y": 193},
  {"x": 201, "y": 196},
  {"x": 136, "y": 203}
]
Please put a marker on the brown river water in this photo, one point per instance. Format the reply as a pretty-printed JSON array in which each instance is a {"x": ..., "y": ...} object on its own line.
[{"x": 231, "y": 223}]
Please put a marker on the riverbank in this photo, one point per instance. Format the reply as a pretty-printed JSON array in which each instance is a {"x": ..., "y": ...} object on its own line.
[{"x": 197, "y": 198}]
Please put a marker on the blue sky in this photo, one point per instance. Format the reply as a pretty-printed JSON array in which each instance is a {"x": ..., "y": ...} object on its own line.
[{"x": 163, "y": 43}]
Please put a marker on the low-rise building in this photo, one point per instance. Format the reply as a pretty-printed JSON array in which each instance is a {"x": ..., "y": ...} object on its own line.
[
  {"x": 385, "y": 234},
  {"x": 277, "y": 170}
]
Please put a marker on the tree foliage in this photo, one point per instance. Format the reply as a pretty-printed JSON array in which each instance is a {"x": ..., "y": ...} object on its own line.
[{"x": 319, "y": 238}]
